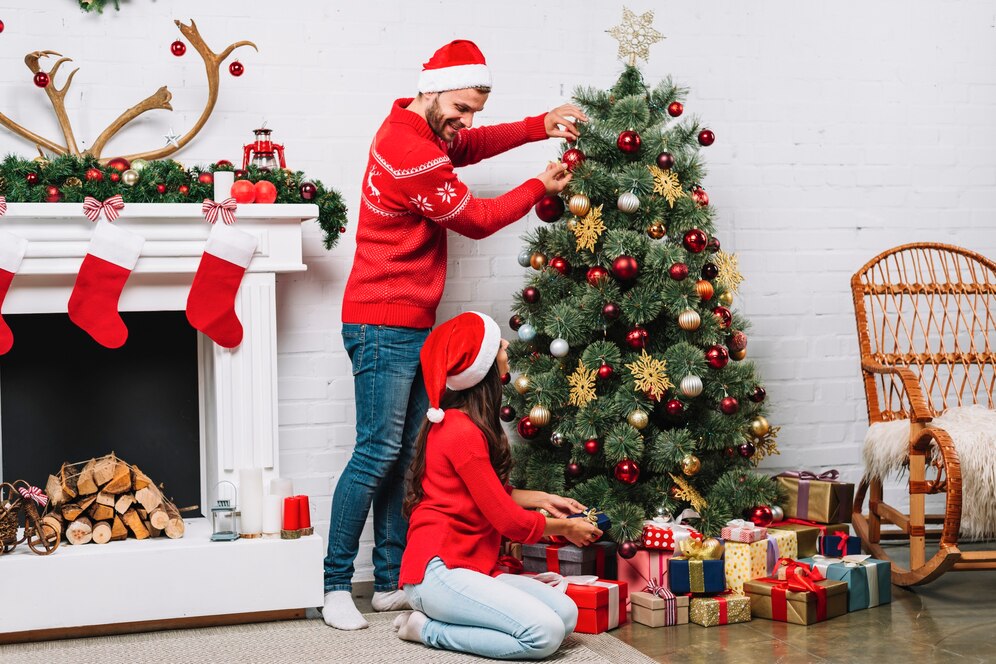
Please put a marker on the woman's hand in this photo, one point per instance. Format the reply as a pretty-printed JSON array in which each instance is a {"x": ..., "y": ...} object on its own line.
[
  {"x": 581, "y": 532},
  {"x": 560, "y": 506}
]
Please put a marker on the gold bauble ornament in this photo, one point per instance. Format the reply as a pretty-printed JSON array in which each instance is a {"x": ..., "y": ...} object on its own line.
[
  {"x": 759, "y": 426},
  {"x": 638, "y": 419},
  {"x": 521, "y": 384},
  {"x": 539, "y": 415},
  {"x": 726, "y": 299},
  {"x": 579, "y": 205},
  {"x": 139, "y": 164},
  {"x": 738, "y": 354},
  {"x": 689, "y": 320},
  {"x": 656, "y": 230},
  {"x": 72, "y": 181},
  {"x": 41, "y": 161},
  {"x": 130, "y": 177},
  {"x": 538, "y": 260},
  {"x": 690, "y": 465}
]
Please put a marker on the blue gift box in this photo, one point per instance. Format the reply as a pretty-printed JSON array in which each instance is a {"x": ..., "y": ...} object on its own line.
[
  {"x": 830, "y": 545},
  {"x": 596, "y": 516},
  {"x": 869, "y": 581},
  {"x": 696, "y": 576}
]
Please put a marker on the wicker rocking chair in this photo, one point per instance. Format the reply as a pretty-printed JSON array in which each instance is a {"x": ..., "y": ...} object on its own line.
[{"x": 927, "y": 334}]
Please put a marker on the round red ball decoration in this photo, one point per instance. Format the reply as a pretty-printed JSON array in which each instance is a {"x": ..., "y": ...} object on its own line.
[
  {"x": 531, "y": 294},
  {"x": 178, "y": 48},
  {"x": 695, "y": 241},
  {"x": 31, "y": 179},
  {"x": 237, "y": 69},
  {"x": 41, "y": 79},
  {"x": 713, "y": 245},
  {"x": 94, "y": 175},
  {"x": 675, "y": 108},
  {"x": 757, "y": 394},
  {"x": 515, "y": 322},
  {"x": 573, "y": 158},
  {"x": 114, "y": 176},
  {"x": 717, "y": 356},
  {"x": 678, "y": 271},
  {"x": 342, "y": 229},
  {"x": 706, "y": 137},
  {"x": 505, "y": 378},
  {"x": 611, "y": 311},
  {"x": 605, "y": 371},
  {"x": 266, "y": 192},
  {"x": 506, "y": 414},
  {"x": 243, "y": 191},
  {"x": 241, "y": 174},
  {"x": 560, "y": 265},
  {"x": 746, "y": 450},
  {"x": 223, "y": 163},
  {"x": 665, "y": 160},
  {"x": 206, "y": 178},
  {"x": 596, "y": 275},
  {"x": 628, "y": 549},
  {"x": 550, "y": 208},
  {"x": 710, "y": 271},
  {"x": 627, "y": 471},
  {"x": 637, "y": 338},
  {"x": 625, "y": 268},
  {"x": 573, "y": 469},
  {"x": 761, "y": 516},
  {"x": 729, "y": 406},
  {"x": 737, "y": 341},
  {"x": 699, "y": 196},
  {"x": 674, "y": 407},
  {"x": 725, "y": 317},
  {"x": 592, "y": 446},
  {"x": 161, "y": 188},
  {"x": 183, "y": 189},
  {"x": 629, "y": 142},
  {"x": 1, "y": 26},
  {"x": 52, "y": 194},
  {"x": 308, "y": 191},
  {"x": 120, "y": 164},
  {"x": 527, "y": 429}
]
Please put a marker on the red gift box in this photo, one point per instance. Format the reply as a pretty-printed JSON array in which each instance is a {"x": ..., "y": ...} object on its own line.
[
  {"x": 601, "y": 605},
  {"x": 658, "y": 538}
]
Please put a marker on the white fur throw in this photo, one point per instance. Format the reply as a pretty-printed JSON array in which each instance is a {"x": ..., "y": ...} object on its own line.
[{"x": 973, "y": 430}]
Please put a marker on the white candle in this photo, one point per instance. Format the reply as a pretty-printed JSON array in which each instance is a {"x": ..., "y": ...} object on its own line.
[
  {"x": 251, "y": 500},
  {"x": 273, "y": 514},
  {"x": 223, "y": 181},
  {"x": 281, "y": 486}
]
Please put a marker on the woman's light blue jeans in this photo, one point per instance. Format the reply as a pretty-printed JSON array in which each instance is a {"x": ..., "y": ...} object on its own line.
[
  {"x": 503, "y": 617},
  {"x": 390, "y": 407}
]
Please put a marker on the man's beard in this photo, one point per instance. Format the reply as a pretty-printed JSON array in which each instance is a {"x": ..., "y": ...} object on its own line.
[{"x": 435, "y": 119}]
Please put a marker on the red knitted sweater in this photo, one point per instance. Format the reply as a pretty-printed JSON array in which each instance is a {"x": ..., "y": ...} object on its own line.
[
  {"x": 465, "y": 509},
  {"x": 411, "y": 195}
]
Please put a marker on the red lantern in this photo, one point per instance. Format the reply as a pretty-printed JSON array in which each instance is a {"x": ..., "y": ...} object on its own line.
[
  {"x": 261, "y": 151},
  {"x": 627, "y": 471},
  {"x": 550, "y": 208}
]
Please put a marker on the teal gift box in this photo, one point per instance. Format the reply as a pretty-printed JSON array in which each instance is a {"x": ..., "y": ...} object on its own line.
[{"x": 869, "y": 581}]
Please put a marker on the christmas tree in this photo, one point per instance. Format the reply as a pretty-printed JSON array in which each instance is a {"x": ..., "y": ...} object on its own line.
[{"x": 631, "y": 391}]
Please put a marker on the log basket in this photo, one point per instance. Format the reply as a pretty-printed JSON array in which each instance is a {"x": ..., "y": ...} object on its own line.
[{"x": 39, "y": 536}]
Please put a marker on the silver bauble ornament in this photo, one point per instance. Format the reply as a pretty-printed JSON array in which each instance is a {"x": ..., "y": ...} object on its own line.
[
  {"x": 557, "y": 439},
  {"x": 691, "y": 386},
  {"x": 527, "y": 332},
  {"x": 777, "y": 513},
  {"x": 559, "y": 347},
  {"x": 628, "y": 202},
  {"x": 130, "y": 177},
  {"x": 525, "y": 256}
]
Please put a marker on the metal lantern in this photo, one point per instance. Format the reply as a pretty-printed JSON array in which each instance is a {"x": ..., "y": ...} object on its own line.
[
  {"x": 261, "y": 151},
  {"x": 224, "y": 517}
]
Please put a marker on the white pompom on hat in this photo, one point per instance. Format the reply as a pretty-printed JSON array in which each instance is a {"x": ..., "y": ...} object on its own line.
[
  {"x": 458, "y": 355},
  {"x": 456, "y": 66}
]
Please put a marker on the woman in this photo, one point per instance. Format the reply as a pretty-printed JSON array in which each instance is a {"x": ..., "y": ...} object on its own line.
[{"x": 460, "y": 504}]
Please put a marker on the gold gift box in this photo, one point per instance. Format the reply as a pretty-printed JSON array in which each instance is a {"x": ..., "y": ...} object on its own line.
[
  {"x": 744, "y": 562},
  {"x": 828, "y": 502},
  {"x": 800, "y": 606},
  {"x": 705, "y": 610},
  {"x": 806, "y": 536},
  {"x": 648, "y": 609}
]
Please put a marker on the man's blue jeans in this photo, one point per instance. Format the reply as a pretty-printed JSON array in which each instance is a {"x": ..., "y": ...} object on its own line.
[{"x": 390, "y": 407}]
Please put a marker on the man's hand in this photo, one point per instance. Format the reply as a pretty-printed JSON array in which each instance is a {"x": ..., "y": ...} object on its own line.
[
  {"x": 560, "y": 506},
  {"x": 560, "y": 122},
  {"x": 555, "y": 178}
]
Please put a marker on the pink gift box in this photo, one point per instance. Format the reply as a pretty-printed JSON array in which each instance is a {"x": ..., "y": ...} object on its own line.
[
  {"x": 641, "y": 569},
  {"x": 740, "y": 530}
]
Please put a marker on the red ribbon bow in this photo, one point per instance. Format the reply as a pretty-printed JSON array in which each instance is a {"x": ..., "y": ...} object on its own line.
[
  {"x": 842, "y": 545},
  {"x": 226, "y": 208},
  {"x": 510, "y": 564},
  {"x": 111, "y": 207},
  {"x": 655, "y": 588},
  {"x": 35, "y": 494},
  {"x": 3, "y": 205}
]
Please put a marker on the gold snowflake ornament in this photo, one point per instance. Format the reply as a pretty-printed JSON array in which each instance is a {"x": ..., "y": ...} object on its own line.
[
  {"x": 650, "y": 375},
  {"x": 729, "y": 272},
  {"x": 589, "y": 229},
  {"x": 766, "y": 445},
  {"x": 688, "y": 493},
  {"x": 666, "y": 184},
  {"x": 635, "y": 35},
  {"x": 582, "y": 383}
]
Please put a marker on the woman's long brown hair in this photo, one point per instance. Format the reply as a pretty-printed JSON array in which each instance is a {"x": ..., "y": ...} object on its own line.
[{"x": 481, "y": 403}]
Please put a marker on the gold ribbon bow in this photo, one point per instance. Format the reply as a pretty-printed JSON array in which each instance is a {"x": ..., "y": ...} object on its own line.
[{"x": 708, "y": 549}]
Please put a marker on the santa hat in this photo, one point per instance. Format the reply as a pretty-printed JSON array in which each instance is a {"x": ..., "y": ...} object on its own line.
[
  {"x": 458, "y": 354},
  {"x": 456, "y": 66}
]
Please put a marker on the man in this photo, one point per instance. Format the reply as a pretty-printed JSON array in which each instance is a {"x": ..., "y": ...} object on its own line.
[{"x": 411, "y": 196}]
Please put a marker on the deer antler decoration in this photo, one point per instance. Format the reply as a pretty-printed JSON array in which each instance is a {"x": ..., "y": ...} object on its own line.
[{"x": 158, "y": 100}]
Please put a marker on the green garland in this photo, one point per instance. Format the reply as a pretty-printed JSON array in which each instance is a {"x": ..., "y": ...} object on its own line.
[
  {"x": 97, "y": 5},
  {"x": 68, "y": 174}
]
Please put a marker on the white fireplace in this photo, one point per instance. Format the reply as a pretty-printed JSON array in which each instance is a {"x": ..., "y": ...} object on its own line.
[{"x": 194, "y": 578}]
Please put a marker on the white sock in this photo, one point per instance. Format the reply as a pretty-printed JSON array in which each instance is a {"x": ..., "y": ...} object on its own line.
[
  {"x": 412, "y": 629},
  {"x": 396, "y": 600},
  {"x": 401, "y": 620},
  {"x": 340, "y": 612}
]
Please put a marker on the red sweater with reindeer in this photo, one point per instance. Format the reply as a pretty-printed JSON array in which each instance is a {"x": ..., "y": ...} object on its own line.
[{"x": 411, "y": 196}]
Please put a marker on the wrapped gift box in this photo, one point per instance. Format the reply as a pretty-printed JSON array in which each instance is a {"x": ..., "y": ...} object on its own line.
[
  {"x": 595, "y": 516},
  {"x": 869, "y": 581},
  {"x": 598, "y": 559},
  {"x": 807, "y": 534},
  {"x": 644, "y": 568},
  {"x": 655, "y": 611},
  {"x": 696, "y": 576},
  {"x": 817, "y": 498},
  {"x": 512, "y": 549},
  {"x": 782, "y": 544},
  {"x": 739, "y": 530},
  {"x": 787, "y": 601},
  {"x": 719, "y": 610},
  {"x": 744, "y": 562},
  {"x": 601, "y": 605},
  {"x": 839, "y": 544},
  {"x": 666, "y": 534}
]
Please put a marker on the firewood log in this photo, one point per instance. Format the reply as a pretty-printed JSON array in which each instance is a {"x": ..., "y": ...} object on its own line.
[
  {"x": 154, "y": 532},
  {"x": 159, "y": 518},
  {"x": 139, "y": 479},
  {"x": 121, "y": 481},
  {"x": 102, "y": 533},
  {"x": 118, "y": 529},
  {"x": 135, "y": 524},
  {"x": 53, "y": 489},
  {"x": 105, "y": 498},
  {"x": 68, "y": 483},
  {"x": 103, "y": 469},
  {"x": 85, "y": 502},
  {"x": 150, "y": 497},
  {"x": 124, "y": 502},
  {"x": 79, "y": 531},
  {"x": 71, "y": 511},
  {"x": 84, "y": 483},
  {"x": 176, "y": 527},
  {"x": 101, "y": 512}
]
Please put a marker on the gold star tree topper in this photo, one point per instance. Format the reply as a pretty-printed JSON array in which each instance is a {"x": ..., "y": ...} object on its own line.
[
  {"x": 650, "y": 375},
  {"x": 582, "y": 383},
  {"x": 635, "y": 35},
  {"x": 589, "y": 229}
]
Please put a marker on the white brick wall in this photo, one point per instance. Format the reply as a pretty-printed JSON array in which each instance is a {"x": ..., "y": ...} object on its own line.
[{"x": 841, "y": 131}]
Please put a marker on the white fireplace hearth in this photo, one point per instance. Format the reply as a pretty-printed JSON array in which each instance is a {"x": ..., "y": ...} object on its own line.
[{"x": 150, "y": 584}]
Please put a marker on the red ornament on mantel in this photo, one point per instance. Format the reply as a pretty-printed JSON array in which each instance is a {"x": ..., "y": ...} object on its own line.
[
  {"x": 308, "y": 191},
  {"x": 52, "y": 194},
  {"x": 31, "y": 179},
  {"x": 178, "y": 48},
  {"x": 243, "y": 192},
  {"x": 120, "y": 164},
  {"x": 1, "y": 26},
  {"x": 161, "y": 188},
  {"x": 627, "y": 471},
  {"x": 94, "y": 175},
  {"x": 266, "y": 192},
  {"x": 182, "y": 189},
  {"x": 206, "y": 178}
]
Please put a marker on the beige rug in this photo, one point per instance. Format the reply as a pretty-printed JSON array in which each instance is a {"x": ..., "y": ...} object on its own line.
[{"x": 291, "y": 641}]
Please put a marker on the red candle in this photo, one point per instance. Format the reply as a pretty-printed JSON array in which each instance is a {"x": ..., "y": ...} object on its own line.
[
  {"x": 304, "y": 511},
  {"x": 292, "y": 514}
]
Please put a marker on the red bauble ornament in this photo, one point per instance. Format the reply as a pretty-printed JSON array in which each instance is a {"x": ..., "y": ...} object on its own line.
[
  {"x": 710, "y": 271},
  {"x": 243, "y": 191},
  {"x": 729, "y": 452},
  {"x": 505, "y": 378},
  {"x": 699, "y": 196},
  {"x": 674, "y": 407},
  {"x": 746, "y": 450},
  {"x": 706, "y": 137},
  {"x": 206, "y": 178},
  {"x": 724, "y": 316},
  {"x": 678, "y": 271},
  {"x": 729, "y": 406},
  {"x": 717, "y": 356},
  {"x": 592, "y": 446},
  {"x": 757, "y": 394},
  {"x": 506, "y": 414},
  {"x": 94, "y": 175},
  {"x": 573, "y": 469},
  {"x": 760, "y": 516},
  {"x": 161, "y": 188},
  {"x": 1, "y": 26},
  {"x": 531, "y": 294},
  {"x": 41, "y": 79},
  {"x": 573, "y": 158},
  {"x": 628, "y": 549},
  {"x": 237, "y": 69},
  {"x": 665, "y": 160},
  {"x": 713, "y": 245},
  {"x": 31, "y": 179},
  {"x": 178, "y": 48},
  {"x": 120, "y": 164},
  {"x": 637, "y": 338},
  {"x": 737, "y": 341},
  {"x": 625, "y": 268},
  {"x": 695, "y": 241},
  {"x": 627, "y": 471},
  {"x": 596, "y": 275},
  {"x": 183, "y": 189},
  {"x": 675, "y": 108},
  {"x": 342, "y": 229},
  {"x": 605, "y": 371},
  {"x": 241, "y": 174},
  {"x": 266, "y": 192},
  {"x": 611, "y": 311},
  {"x": 550, "y": 208},
  {"x": 223, "y": 163},
  {"x": 527, "y": 429},
  {"x": 52, "y": 194},
  {"x": 308, "y": 191},
  {"x": 515, "y": 322},
  {"x": 629, "y": 142},
  {"x": 114, "y": 176},
  {"x": 560, "y": 265}
]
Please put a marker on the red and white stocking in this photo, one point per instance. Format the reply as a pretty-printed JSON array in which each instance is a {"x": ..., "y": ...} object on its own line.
[
  {"x": 12, "y": 248},
  {"x": 109, "y": 260},
  {"x": 211, "y": 302}
]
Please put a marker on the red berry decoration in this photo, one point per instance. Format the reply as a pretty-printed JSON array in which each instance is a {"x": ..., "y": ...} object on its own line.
[
  {"x": 665, "y": 160},
  {"x": 757, "y": 394},
  {"x": 531, "y": 294},
  {"x": 573, "y": 158},
  {"x": 550, "y": 208},
  {"x": 237, "y": 69},
  {"x": 573, "y": 469},
  {"x": 699, "y": 196},
  {"x": 31, "y": 179},
  {"x": 241, "y": 174},
  {"x": 120, "y": 164},
  {"x": 266, "y": 192},
  {"x": 706, "y": 137},
  {"x": 182, "y": 189},
  {"x": 724, "y": 316},
  {"x": 94, "y": 175},
  {"x": 206, "y": 178},
  {"x": 628, "y": 549},
  {"x": 41, "y": 79},
  {"x": 637, "y": 338},
  {"x": 674, "y": 109},
  {"x": 515, "y": 322},
  {"x": 505, "y": 378},
  {"x": 114, "y": 176},
  {"x": 713, "y": 245},
  {"x": 629, "y": 142},
  {"x": 729, "y": 452},
  {"x": 161, "y": 188},
  {"x": 695, "y": 241},
  {"x": 560, "y": 265},
  {"x": 625, "y": 268},
  {"x": 627, "y": 471},
  {"x": 717, "y": 356},
  {"x": 178, "y": 48},
  {"x": 710, "y": 271},
  {"x": 596, "y": 275},
  {"x": 737, "y": 341},
  {"x": 674, "y": 407},
  {"x": 729, "y": 405},
  {"x": 761, "y": 516},
  {"x": 592, "y": 446},
  {"x": 605, "y": 371},
  {"x": 506, "y": 414},
  {"x": 243, "y": 191},
  {"x": 678, "y": 271},
  {"x": 308, "y": 191},
  {"x": 527, "y": 429},
  {"x": 611, "y": 311},
  {"x": 52, "y": 194},
  {"x": 746, "y": 450},
  {"x": 342, "y": 229}
]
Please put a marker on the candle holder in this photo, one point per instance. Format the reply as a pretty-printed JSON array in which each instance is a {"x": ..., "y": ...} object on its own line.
[{"x": 224, "y": 517}]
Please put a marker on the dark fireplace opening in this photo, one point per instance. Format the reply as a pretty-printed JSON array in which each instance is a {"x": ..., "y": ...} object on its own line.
[{"x": 66, "y": 398}]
